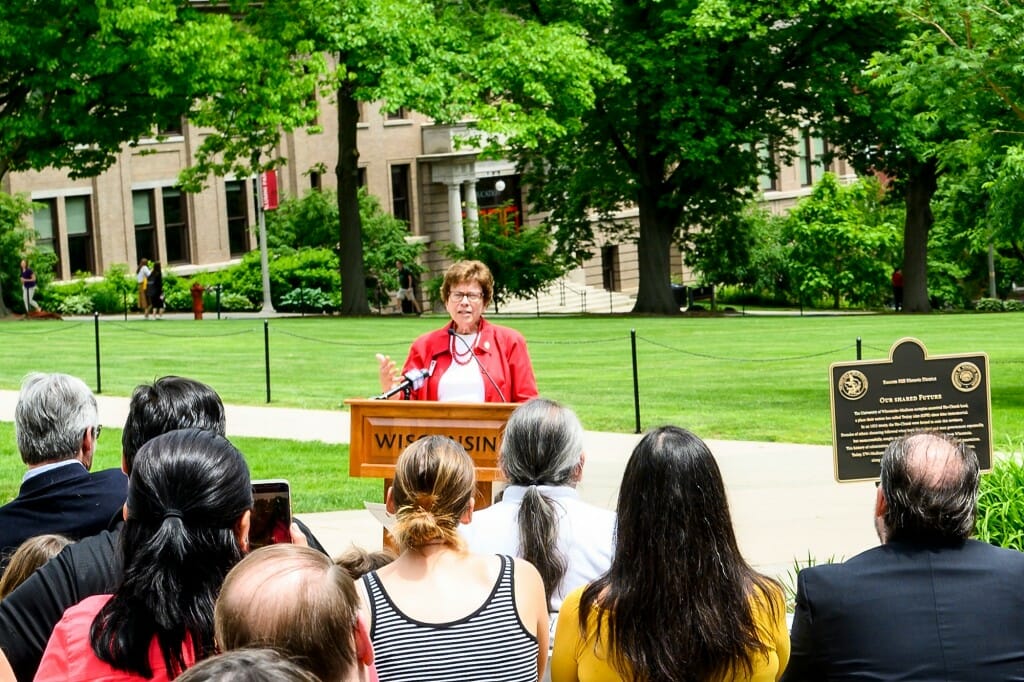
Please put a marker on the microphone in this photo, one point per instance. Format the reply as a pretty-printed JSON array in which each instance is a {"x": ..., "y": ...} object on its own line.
[
  {"x": 411, "y": 381},
  {"x": 483, "y": 370}
]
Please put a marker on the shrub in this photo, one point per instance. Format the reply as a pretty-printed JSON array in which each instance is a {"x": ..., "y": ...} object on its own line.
[
  {"x": 177, "y": 298},
  {"x": 77, "y": 304},
  {"x": 989, "y": 305},
  {"x": 1001, "y": 503},
  {"x": 1013, "y": 305},
  {"x": 230, "y": 302},
  {"x": 302, "y": 299}
]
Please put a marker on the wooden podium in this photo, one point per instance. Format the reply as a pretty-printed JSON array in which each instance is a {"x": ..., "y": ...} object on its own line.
[{"x": 382, "y": 429}]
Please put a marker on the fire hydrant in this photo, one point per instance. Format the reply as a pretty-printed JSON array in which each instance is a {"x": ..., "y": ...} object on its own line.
[{"x": 197, "y": 300}]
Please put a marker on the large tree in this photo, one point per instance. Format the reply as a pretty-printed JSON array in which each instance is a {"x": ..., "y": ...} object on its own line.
[
  {"x": 935, "y": 103},
  {"x": 453, "y": 61},
  {"x": 708, "y": 84}
]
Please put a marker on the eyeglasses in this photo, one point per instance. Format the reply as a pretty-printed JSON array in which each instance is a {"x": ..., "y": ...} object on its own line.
[
  {"x": 471, "y": 296},
  {"x": 96, "y": 432}
]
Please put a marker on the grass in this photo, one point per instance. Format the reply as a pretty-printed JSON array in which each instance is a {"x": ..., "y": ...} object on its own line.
[
  {"x": 746, "y": 378},
  {"x": 317, "y": 472}
]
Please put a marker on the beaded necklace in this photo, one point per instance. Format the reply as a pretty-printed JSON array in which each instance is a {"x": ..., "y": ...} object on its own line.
[{"x": 465, "y": 356}]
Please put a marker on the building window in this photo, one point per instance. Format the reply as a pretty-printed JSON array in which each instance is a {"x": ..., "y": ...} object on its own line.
[
  {"x": 361, "y": 177},
  {"x": 145, "y": 224},
  {"x": 610, "y": 267},
  {"x": 811, "y": 153},
  {"x": 400, "y": 200},
  {"x": 768, "y": 180},
  {"x": 315, "y": 180},
  {"x": 80, "y": 249},
  {"x": 170, "y": 128},
  {"x": 238, "y": 217},
  {"x": 44, "y": 220},
  {"x": 397, "y": 115},
  {"x": 175, "y": 226}
]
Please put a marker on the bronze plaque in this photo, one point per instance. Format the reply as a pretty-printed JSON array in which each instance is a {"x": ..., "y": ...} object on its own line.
[{"x": 877, "y": 401}]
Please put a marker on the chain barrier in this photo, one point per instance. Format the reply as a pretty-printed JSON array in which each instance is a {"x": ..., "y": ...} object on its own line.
[{"x": 708, "y": 356}]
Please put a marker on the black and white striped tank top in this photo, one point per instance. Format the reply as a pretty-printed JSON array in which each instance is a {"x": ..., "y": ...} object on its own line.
[{"x": 491, "y": 644}]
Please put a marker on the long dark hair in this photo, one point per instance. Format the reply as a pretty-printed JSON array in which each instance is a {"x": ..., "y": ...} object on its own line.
[
  {"x": 542, "y": 445},
  {"x": 186, "y": 494},
  {"x": 679, "y": 597}
]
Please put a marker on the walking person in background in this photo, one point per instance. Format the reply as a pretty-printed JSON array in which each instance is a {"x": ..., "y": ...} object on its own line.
[
  {"x": 142, "y": 277},
  {"x": 28, "y": 288},
  {"x": 155, "y": 290},
  {"x": 406, "y": 290},
  {"x": 897, "y": 290}
]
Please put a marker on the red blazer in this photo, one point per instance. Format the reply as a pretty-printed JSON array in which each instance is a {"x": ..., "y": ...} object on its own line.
[{"x": 500, "y": 350}]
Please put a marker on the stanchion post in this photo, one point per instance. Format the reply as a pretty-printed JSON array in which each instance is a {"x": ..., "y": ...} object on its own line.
[
  {"x": 636, "y": 381},
  {"x": 266, "y": 353},
  {"x": 858, "y": 348},
  {"x": 96, "y": 333}
]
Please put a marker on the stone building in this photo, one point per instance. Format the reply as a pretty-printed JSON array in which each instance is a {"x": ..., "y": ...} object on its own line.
[{"x": 416, "y": 169}]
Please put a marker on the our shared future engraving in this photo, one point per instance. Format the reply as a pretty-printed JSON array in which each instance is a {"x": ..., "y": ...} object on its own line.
[{"x": 875, "y": 401}]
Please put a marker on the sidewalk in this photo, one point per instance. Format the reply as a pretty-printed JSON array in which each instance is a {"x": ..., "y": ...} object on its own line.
[{"x": 784, "y": 500}]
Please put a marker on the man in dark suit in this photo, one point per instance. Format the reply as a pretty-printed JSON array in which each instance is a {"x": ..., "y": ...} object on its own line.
[
  {"x": 57, "y": 425},
  {"x": 929, "y": 603}
]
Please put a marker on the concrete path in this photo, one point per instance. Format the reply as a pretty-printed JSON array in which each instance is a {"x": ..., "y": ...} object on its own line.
[{"x": 784, "y": 500}]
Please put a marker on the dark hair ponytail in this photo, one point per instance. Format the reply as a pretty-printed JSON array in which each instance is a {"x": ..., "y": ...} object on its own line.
[{"x": 186, "y": 494}]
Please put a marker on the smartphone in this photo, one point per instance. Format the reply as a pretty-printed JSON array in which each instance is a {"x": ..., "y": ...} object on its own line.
[{"x": 271, "y": 513}]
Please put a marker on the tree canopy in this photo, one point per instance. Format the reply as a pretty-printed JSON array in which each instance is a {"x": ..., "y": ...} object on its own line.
[{"x": 707, "y": 83}]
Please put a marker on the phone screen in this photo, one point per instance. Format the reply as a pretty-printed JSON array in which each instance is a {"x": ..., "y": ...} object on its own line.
[{"x": 271, "y": 513}]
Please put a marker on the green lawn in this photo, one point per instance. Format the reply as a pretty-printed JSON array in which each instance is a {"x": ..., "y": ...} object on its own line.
[
  {"x": 754, "y": 378},
  {"x": 749, "y": 378}
]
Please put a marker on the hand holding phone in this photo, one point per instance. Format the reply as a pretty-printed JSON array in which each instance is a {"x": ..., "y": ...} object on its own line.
[{"x": 271, "y": 513}]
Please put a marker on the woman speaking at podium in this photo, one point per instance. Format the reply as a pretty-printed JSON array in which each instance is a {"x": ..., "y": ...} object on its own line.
[{"x": 469, "y": 359}]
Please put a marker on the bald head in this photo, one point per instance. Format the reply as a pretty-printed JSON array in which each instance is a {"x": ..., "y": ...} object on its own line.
[
  {"x": 929, "y": 482},
  {"x": 297, "y": 601}
]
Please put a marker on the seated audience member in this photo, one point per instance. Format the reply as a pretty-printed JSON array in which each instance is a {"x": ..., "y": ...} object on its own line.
[
  {"x": 32, "y": 554},
  {"x": 299, "y": 602},
  {"x": 679, "y": 602},
  {"x": 928, "y": 603},
  {"x": 57, "y": 425},
  {"x": 357, "y": 561},
  {"x": 438, "y": 612},
  {"x": 248, "y": 665},
  {"x": 186, "y": 525},
  {"x": 540, "y": 517},
  {"x": 93, "y": 565}
]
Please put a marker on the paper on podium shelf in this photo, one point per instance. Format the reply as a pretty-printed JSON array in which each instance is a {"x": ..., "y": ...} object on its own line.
[{"x": 380, "y": 512}]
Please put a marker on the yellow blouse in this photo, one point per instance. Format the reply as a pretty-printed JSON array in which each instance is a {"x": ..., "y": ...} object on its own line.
[{"x": 578, "y": 657}]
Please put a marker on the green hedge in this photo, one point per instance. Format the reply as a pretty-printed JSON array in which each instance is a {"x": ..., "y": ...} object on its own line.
[{"x": 1001, "y": 503}]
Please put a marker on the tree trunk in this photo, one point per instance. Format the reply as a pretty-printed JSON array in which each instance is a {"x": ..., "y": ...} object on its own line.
[
  {"x": 657, "y": 226},
  {"x": 922, "y": 182},
  {"x": 353, "y": 278}
]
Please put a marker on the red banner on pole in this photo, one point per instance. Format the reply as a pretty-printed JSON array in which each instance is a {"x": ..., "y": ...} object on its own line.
[{"x": 268, "y": 187}]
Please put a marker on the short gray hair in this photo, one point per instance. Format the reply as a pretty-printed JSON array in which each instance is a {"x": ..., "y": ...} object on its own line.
[
  {"x": 930, "y": 484},
  {"x": 52, "y": 415}
]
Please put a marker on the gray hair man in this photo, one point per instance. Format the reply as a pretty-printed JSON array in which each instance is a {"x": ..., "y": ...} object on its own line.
[
  {"x": 57, "y": 425},
  {"x": 929, "y": 603}
]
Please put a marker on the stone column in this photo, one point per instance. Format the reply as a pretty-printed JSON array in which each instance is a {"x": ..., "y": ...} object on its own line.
[
  {"x": 472, "y": 209},
  {"x": 455, "y": 215}
]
